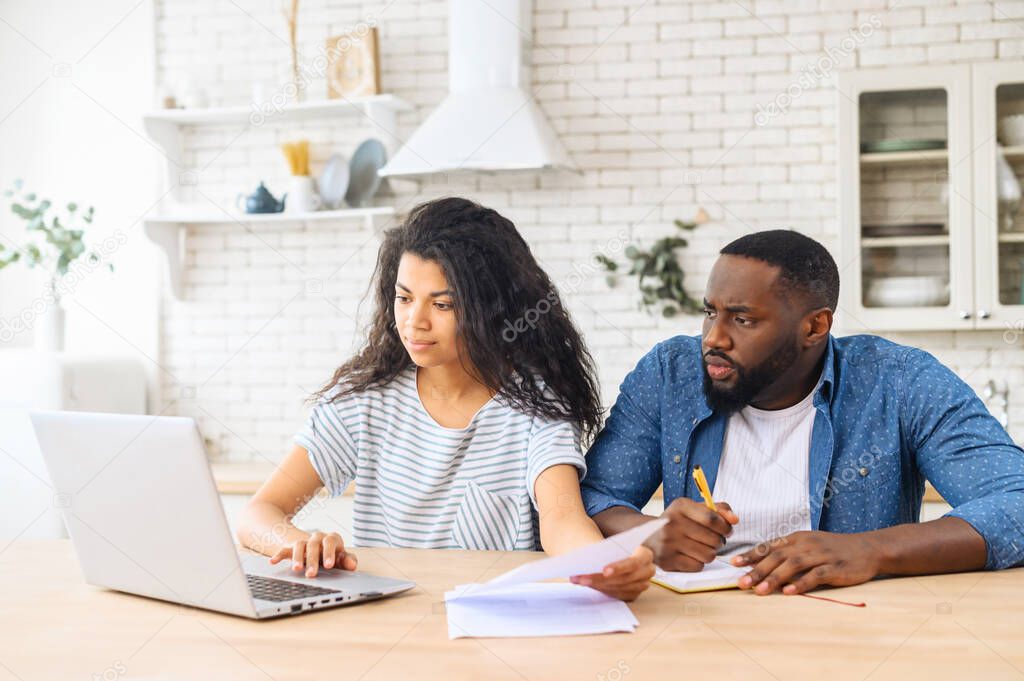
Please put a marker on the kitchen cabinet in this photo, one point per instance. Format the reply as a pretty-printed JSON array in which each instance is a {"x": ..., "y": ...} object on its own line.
[{"x": 930, "y": 237}]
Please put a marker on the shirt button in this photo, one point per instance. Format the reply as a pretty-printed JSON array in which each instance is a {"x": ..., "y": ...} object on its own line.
[
  {"x": 863, "y": 472},
  {"x": 677, "y": 458},
  {"x": 695, "y": 421}
]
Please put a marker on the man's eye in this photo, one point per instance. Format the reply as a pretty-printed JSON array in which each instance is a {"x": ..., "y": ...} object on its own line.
[
  {"x": 708, "y": 313},
  {"x": 742, "y": 321}
]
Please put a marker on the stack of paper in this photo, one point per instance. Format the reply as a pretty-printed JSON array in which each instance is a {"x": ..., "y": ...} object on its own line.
[
  {"x": 514, "y": 604},
  {"x": 718, "y": 574},
  {"x": 558, "y": 609}
]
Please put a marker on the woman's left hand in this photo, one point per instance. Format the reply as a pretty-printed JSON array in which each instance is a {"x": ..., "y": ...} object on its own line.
[{"x": 625, "y": 579}]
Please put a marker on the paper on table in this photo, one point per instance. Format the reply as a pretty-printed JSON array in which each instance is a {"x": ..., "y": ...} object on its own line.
[
  {"x": 717, "y": 574},
  {"x": 583, "y": 561},
  {"x": 549, "y": 609}
]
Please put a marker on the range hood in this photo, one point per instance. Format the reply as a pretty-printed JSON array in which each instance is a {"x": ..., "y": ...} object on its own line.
[{"x": 489, "y": 121}]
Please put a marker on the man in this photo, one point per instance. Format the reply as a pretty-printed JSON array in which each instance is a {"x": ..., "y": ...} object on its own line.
[{"x": 816, "y": 448}]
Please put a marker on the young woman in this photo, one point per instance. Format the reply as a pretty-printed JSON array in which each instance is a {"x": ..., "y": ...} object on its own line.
[{"x": 460, "y": 420}]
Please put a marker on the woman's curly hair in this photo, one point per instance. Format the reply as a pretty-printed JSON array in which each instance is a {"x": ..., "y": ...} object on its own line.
[{"x": 509, "y": 318}]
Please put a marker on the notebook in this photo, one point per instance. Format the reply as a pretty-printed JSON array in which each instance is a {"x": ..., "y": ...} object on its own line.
[{"x": 716, "y": 575}]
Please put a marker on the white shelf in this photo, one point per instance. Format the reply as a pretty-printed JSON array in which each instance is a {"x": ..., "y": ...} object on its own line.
[
  {"x": 925, "y": 156},
  {"x": 167, "y": 230},
  {"x": 167, "y": 129},
  {"x": 214, "y": 216},
  {"x": 904, "y": 157},
  {"x": 905, "y": 241},
  {"x": 1011, "y": 238},
  {"x": 291, "y": 112}
]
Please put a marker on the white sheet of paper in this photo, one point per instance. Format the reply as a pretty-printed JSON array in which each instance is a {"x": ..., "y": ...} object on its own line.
[
  {"x": 717, "y": 574},
  {"x": 548, "y": 609},
  {"x": 583, "y": 561}
]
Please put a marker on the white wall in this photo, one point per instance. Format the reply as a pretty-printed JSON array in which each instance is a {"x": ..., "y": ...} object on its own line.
[
  {"x": 74, "y": 80},
  {"x": 656, "y": 101}
]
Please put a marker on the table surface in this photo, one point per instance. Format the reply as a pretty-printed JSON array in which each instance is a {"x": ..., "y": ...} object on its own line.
[{"x": 54, "y": 626}]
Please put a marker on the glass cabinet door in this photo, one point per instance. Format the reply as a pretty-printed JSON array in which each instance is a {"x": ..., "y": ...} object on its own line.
[
  {"x": 904, "y": 224},
  {"x": 998, "y": 157},
  {"x": 904, "y": 198}
]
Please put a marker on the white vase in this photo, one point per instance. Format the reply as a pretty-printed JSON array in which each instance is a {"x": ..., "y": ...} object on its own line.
[
  {"x": 49, "y": 329},
  {"x": 302, "y": 196}
]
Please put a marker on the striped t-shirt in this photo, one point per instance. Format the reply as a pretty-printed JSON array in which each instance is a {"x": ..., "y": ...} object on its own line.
[{"x": 421, "y": 485}]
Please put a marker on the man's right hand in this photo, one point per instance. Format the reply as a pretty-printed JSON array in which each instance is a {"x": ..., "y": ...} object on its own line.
[{"x": 693, "y": 536}]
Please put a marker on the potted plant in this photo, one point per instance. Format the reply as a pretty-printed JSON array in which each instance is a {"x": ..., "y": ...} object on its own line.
[
  {"x": 55, "y": 243},
  {"x": 659, "y": 265}
]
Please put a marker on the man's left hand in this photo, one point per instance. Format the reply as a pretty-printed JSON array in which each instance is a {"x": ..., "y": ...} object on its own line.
[{"x": 802, "y": 561}]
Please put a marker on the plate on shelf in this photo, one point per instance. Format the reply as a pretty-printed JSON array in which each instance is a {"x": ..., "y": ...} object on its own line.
[
  {"x": 890, "y": 146},
  {"x": 912, "y": 291},
  {"x": 902, "y": 229},
  {"x": 1011, "y": 130},
  {"x": 334, "y": 181},
  {"x": 363, "y": 178}
]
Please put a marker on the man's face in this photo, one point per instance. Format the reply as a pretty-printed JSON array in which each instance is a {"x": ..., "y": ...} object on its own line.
[{"x": 749, "y": 339}]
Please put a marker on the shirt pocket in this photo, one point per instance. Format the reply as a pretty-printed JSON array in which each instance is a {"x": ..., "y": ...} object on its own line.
[
  {"x": 865, "y": 473},
  {"x": 864, "y": 493},
  {"x": 487, "y": 521}
]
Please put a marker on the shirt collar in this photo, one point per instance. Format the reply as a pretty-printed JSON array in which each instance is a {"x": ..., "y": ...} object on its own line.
[{"x": 828, "y": 374}]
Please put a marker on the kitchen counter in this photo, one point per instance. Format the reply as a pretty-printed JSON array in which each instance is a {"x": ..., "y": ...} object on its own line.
[{"x": 246, "y": 478}]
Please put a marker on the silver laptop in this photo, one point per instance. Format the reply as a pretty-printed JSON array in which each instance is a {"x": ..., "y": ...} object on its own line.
[{"x": 144, "y": 515}]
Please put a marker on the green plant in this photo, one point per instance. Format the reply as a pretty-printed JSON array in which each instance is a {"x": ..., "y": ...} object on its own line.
[
  {"x": 57, "y": 243},
  {"x": 660, "y": 264}
]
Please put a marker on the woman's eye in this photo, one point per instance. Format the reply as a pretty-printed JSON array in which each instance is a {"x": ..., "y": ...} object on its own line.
[
  {"x": 402, "y": 299},
  {"x": 443, "y": 306}
]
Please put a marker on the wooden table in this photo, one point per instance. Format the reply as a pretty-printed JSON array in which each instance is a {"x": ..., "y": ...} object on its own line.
[{"x": 54, "y": 626}]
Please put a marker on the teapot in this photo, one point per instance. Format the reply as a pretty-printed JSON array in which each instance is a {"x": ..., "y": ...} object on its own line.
[{"x": 261, "y": 201}]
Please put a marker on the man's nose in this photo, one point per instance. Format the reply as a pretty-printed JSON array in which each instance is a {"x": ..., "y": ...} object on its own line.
[{"x": 715, "y": 337}]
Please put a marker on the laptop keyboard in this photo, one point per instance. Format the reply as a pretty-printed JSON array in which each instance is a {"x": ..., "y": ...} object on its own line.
[{"x": 270, "y": 589}]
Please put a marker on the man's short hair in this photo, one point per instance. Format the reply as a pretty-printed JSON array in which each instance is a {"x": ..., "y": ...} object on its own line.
[{"x": 806, "y": 267}]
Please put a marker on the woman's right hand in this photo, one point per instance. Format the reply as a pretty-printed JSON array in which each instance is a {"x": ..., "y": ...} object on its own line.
[{"x": 327, "y": 549}]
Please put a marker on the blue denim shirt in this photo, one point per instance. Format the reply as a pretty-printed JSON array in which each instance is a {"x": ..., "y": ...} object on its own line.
[{"x": 888, "y": 418}]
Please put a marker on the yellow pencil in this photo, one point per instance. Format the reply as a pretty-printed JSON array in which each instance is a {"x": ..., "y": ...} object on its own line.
[{"x": 702, "y": 485}]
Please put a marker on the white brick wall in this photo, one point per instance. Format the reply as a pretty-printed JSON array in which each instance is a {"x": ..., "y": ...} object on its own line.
[{"x": 657, "y": 109}]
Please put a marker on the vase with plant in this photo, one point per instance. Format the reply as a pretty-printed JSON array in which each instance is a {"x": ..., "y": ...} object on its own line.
[
  {"x": 302, "y": 196},
  {"x": 659, "y": 274},
  {"x": 55, "y": 242}
]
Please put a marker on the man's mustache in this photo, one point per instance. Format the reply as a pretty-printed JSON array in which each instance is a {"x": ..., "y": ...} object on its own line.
[{"x": 722, "y": 355}]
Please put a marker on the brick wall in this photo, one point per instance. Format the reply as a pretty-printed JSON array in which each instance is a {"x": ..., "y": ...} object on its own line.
[{"x": 656, "y": 102}]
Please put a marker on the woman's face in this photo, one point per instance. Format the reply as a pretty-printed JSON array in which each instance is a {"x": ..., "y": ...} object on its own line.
[{"x": 424, "y": 312}]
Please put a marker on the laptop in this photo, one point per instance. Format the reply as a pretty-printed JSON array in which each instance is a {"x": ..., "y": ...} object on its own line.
[{"x": 144, "y": 515}]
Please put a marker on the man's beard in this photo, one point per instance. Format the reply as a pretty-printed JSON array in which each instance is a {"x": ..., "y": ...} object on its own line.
[{"x": 749, "y": 382}]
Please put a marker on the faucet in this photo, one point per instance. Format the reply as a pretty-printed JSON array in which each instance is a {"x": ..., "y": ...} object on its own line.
[{"x": 991, "y": 390}]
